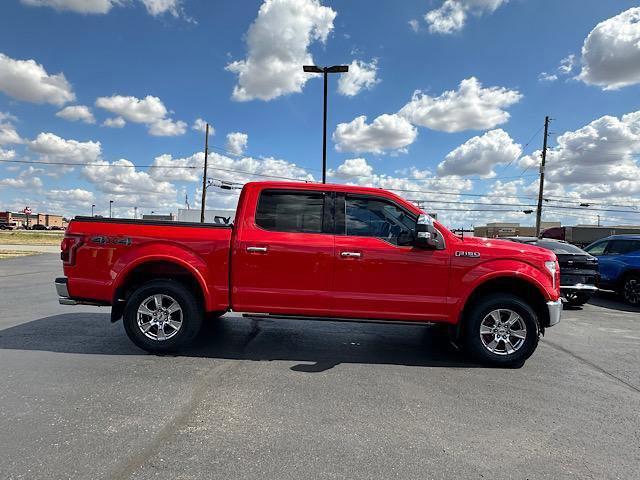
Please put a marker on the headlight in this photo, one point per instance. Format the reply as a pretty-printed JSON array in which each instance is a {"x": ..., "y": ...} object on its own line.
[{"x": 552, "y": 266}]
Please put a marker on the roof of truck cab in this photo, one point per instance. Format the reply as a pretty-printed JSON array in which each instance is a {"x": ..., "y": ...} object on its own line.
[
  {"x": 332, "y": 187},
  {"x": 329, "y": 187}
]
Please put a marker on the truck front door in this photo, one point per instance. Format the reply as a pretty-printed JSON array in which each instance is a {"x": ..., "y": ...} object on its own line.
[
  {"x": 374, "y": 277},
  {"x": 283, "y": 253}
]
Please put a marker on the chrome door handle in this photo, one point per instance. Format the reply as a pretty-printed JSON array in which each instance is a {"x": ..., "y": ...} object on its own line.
[
  {"x": 257, "y": 249},
  {"x": 350, "y": 254}
]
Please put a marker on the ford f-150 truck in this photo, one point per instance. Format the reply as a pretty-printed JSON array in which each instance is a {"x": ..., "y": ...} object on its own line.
[{"x": 313, "y": 251}]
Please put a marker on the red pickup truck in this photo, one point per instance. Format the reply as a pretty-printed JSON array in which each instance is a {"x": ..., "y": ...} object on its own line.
[{"x": 313, "y": 251}]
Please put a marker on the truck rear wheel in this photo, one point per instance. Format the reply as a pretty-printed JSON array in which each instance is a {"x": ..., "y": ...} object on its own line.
[
  {"x": 501, "y": 330},
  {"x": 162, "y": 316}
]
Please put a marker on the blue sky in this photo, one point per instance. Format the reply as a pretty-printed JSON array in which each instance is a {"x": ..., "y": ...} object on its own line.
[{"x": 162, "y": 64}]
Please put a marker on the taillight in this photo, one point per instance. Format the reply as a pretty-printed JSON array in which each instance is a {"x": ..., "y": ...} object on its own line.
[{"x": 68, "y": 247}]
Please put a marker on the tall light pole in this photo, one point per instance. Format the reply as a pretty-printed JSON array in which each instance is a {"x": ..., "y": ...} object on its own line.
[
  {"x": 325, "y": 71},
  {"x": 110, "y": 205},
  {"x": 135, "y": 213},
  {"x": 92, "y": 207}
]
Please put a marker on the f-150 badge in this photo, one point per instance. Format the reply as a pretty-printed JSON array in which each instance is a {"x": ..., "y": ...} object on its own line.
[{"x": 467, "y": 254}]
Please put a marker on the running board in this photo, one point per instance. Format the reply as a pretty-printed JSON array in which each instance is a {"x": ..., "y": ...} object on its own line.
[{"x": 267, "y": 316}]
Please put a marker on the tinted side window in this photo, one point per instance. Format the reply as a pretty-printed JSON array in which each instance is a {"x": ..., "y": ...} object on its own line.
[
  {"x": 368, "y": 217},
  {"x": 597, "y": 248},
  {"x": 622, "y": 247},
  {"x": 290, "y": 211}
]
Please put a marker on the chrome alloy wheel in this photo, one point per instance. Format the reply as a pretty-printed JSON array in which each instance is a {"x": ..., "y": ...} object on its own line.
[
  {"x": 503, "y": 331},
  {"x": 632, "y": 291},
  {"x": 159, "y": 317}
]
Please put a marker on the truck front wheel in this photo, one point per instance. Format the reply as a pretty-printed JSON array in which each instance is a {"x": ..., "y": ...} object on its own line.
[
  {"x": 501, "y": 330},
  {"x": 162, "y": 316}
]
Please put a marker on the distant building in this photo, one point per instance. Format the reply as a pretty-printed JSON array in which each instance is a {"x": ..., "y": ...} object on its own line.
[
  {"x": 160, "y": 218},
  {"x": 21, "y": 220},
  {"x": 218, "y": 216},
  {"x": 506, "y": 229}
]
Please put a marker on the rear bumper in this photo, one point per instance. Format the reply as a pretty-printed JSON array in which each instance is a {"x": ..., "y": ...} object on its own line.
[
  {"x": 62, "y": 290},
  {"x": 578, "y": 287},
  {"x": 555, "y": 312}
]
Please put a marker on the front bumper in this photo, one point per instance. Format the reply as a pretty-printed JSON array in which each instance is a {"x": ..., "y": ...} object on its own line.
[{"x": 555, "y": 311}]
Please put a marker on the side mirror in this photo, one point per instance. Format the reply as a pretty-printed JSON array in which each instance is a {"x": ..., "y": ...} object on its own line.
[{"x": 426, "y": 233}]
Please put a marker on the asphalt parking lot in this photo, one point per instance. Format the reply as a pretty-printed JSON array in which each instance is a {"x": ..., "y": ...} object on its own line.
[{"x": 294, "y": 400}]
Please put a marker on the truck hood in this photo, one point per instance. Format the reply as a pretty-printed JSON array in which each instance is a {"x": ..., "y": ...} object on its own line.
[{"x": 506, "y": 248}]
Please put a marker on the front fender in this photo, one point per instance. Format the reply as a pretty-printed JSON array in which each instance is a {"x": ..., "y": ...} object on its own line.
[
  {"x": 502, "y": 268},
  {"x": 162, "y": 252}
]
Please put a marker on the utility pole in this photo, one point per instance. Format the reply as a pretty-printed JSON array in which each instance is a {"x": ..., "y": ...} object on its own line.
[
  {"x": 542, "y": 165},
  {"x": 204, "y": 174}
]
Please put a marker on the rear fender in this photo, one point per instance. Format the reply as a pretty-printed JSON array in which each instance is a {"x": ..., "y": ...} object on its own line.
[{"x": 162, "y": 252}]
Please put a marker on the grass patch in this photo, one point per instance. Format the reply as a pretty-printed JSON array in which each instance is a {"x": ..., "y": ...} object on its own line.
[
  {"x": 14, "y": 253},
  {"x": 31, "y": 238}
]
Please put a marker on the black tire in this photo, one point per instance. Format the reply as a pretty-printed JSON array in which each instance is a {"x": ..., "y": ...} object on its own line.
[
  {"x": 577, "y": 299},
  {"x": 630, "y": 289},
  {"x": 191, "y": 310},
  {"x": 480, "y": 310}
]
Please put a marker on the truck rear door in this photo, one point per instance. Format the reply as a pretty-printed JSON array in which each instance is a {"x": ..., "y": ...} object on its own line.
[{"x": 282, "y": 260}]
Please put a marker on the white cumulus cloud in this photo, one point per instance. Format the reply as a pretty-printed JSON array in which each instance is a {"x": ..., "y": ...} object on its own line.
[
  {"x": 27, "y": 80},
  {"x": 611, "y": 52},
  {"x": 97, "y": 7},
  {"x": 354, "y": 167},
  {"x": 77, "y": 113},
  {"x": 478, "y": 155},
  {"x": 237, "y": 142},
  {"x": 114, "y": 122},
  {"x": 78, "y": 6},
  {"x": 547, "y": 77},
  {"x": 149, "y": 111},
  {"x": 361, "y": 76},
  {"x": 200, "y": 125},
  {"x": 471, "y": 107},
  {"x": 8, "y": 133},
  {"x": 166, "y": 127},
  {"x": 160, "y": 7},
  {"x": 25, "y": 180},
  {"x": 386, "y": 132},
  {"x": 600, "y": 158},
  {"x": 53, "y": 148},
  {"x": 452, "y": 15},
  {"x": 277, "y": 44},
  {"x": 7, "y": 154},
  {"x": 122, "y": 177}
]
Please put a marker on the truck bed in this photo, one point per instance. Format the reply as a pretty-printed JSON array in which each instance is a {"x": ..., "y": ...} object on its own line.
[{"x": 110, "y": 249}]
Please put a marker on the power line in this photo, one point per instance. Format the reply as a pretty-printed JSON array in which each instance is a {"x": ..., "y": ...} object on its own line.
[{"x": 281, "y": 177}]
